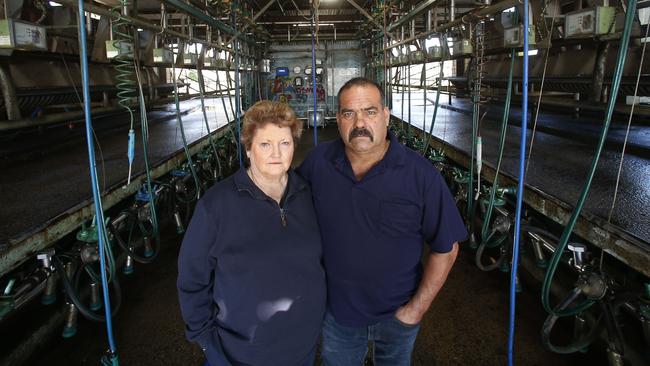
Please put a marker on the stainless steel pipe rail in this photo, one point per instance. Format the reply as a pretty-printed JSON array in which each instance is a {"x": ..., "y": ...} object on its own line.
[{"x": 146, "y": 25}]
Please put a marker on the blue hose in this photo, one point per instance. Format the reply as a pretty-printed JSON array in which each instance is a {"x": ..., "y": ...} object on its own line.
[
  {"x": 313, "y": 78},
  {"x": 93, "y": 178},
  {"x": 520, "y": 189}
]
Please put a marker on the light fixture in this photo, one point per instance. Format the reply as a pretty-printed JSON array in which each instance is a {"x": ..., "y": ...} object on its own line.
[
  {"x": 530, "y": 53},
  {"x": 309, "y": 25}
]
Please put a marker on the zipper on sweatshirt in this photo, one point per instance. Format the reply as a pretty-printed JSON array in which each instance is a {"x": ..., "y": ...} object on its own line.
[{"x": 283, "y": 219}]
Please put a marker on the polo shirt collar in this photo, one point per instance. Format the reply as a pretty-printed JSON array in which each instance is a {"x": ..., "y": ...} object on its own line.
[{"x": 393, "y": 158}]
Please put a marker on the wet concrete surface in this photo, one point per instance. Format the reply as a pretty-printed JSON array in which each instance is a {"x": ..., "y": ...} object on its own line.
[
  {"x": 466, "y": 325},
  {"x": 557, "y": 166},
  {"x": 35, "y": 189}
]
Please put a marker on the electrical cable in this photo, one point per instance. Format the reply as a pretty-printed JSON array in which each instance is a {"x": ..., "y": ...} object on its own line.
[
  {"x": 502, "y": 141},
  {"x": 475, "y": 118},
  {"x": 313, "y": 80},
  {"x": 151, "y": 194},
  {"x": 179, "y": 120},
  {"x": 223, "y": 100},
  {"x": 629, "y": 123},
  {"x": 112, "y": 356},
  {"x": 627, "y": 134},
  {"x": 96, "y": 138},
  {"x": 541, "y": 90},
  {"x": 229, "y": 86},
  {"x": 408, "y": 82},
  {"x": 616, "y": 82},
  {"x": 201, "y": 82},
  {"x": 401, "y": 81},
  {"x": 235, "y": 44},
  {"x": 435, "y": 107}
]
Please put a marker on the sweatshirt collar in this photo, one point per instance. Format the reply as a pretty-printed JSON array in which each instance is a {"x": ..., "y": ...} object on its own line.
[{"x": 243, "y": 182}]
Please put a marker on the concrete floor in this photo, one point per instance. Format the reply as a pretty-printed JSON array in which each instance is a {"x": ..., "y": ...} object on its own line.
[{"x": 466, "y": 325}]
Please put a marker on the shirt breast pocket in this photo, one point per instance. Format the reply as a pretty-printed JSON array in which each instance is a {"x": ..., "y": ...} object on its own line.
[{"x": 400, "y": 219}]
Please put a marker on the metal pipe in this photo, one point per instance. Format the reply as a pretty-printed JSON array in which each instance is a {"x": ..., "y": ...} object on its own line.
[
  {"x": 365, "y": 13},
  {"x": 465, "y": 18},
  {"x": 452, "y": 10},
  {"x": 9, "y": 93},
  {"x": 95, "y": 302},
  {"x": 412, "y": 32},
  {"x": 209, "y": 20},
  {"x": 599, "y": 72},
  {"x": 141, "y": 23},
  {"x": 128, "y": 265},
  {"x": 70, "y": 327},
  {"x": 49, "y": 294},
  {"x": 417, "y": 10}
]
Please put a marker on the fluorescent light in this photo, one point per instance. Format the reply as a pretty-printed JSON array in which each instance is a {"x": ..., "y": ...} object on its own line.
[
  {"x": 140, "y": 30},
  {"x": 530, "y": 53},
  {"x": 309, "y": 25},
  {"x": 54, "y": 4},
  {"x": 92, "y": 15}
]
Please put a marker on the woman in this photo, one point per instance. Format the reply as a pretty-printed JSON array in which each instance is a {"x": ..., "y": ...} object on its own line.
[{"x": 250, "y": 281}]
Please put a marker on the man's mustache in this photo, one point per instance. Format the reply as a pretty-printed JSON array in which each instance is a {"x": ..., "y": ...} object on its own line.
[{"x": 360, "y": 132}]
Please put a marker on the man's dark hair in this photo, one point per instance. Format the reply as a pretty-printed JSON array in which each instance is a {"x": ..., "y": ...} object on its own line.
[{"x": 360, "y": 81}]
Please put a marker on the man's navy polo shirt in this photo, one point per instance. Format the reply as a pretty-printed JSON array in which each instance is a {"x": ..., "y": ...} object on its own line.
[{"x": 373, "y": 230}]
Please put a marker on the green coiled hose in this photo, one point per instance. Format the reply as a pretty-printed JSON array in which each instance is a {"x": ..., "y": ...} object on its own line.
[{"x": 124, "y": 60}]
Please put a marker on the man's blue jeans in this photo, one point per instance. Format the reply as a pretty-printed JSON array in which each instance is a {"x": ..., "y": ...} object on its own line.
[{"x": 345, "y": 346}]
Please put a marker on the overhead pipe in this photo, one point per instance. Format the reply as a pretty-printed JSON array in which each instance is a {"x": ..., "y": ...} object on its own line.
[
  {"x": 143, "y": 24},
  {"x": 465, "y": 18},
  {"x": 209, "y": 20},
  {"x": 423, "y": 6}
]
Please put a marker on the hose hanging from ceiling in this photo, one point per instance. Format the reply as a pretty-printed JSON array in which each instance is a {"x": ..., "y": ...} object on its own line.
[
  {"x": 616, "y": 82},
  {"x": 179, "y": 120},
  {"x": 125, "y": 70},
  {"x": 111, "y": 357}
]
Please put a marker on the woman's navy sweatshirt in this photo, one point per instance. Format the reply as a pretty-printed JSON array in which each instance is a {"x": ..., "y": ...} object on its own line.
[{"x": 250, "y": 279}]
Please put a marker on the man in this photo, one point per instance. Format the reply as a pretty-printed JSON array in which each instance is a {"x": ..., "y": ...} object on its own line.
[{"x": 377, "y": 202}]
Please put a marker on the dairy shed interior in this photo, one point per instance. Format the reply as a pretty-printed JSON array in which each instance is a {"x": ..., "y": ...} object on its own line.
[{"x": 129, "y": 110}]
